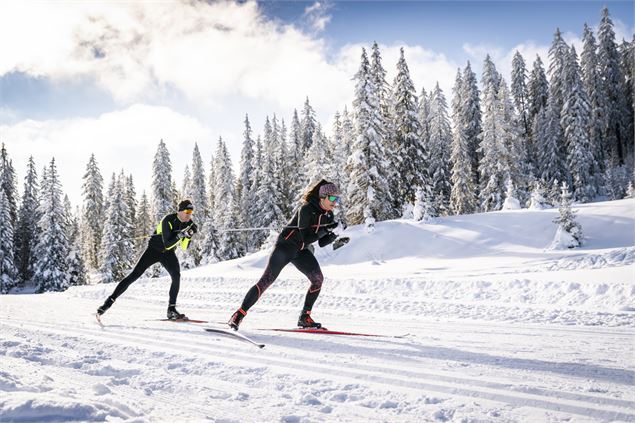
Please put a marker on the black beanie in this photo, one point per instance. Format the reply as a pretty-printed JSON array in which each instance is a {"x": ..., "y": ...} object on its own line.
[{"x": 186, "y": 205}]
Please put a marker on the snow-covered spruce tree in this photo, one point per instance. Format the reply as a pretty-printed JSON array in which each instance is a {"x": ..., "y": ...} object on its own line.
[
  {"x": 316, "y": 157},
  {"x": 210, "y": 241},
  {"x": 472, "y": 119},
  {"x": 386, "y": 128},
  {"x": 224, "y": 184},
  {"x": 409, "y": 150},
  {"x": 627, "y": 66},
  {"x": 424, "y": 118},
  {"x": 520, "y": 93},
  {"x": 546, "y": 130},
  {"x": 117, "y": 245},
  {"x": 597, "y": 113},
  {"x": 283, "y": 169},
  {"x": 27, "y": 229},
  {"x": 145, "y": 225},
  {"x": 296, "y": 153},
  {"x": 423, "y": 209},
  {"x": 307, "y": 125},
  {"x": 463, "y": 194},
  {"x": 511, "y": 202},
  {"x": 8, "y": 268},
  {"x": 50, "y": 270},
  {"x": 186, "y": 187},
  {"x": 267, "y": 195},
  {"x": 612, "y": 91},
  {"x": 92, "y": 214},
  {"x": 9, "y": 185},
  {"x": 491, "y": 169},
  {"x": 439, "y": 151},
  {"x": 538, "y": 93},
  {"x": 368, "y": 190},
  {"x": 569, "y": 233},
  {"x": 257, "y": 238},
  {"x": 244, "y": 187},
  {"x": 538, "y": 201},
  {"x": 340, "y": 151},
  {"x": 513, "y": 153},
  {"x": 197, "y": 193},
  {"x": 575, "y": 122},
  {"x": 558, "y": 53},
  {"x": 74, "y": 261},
  {"x": 162, "y": 195}
]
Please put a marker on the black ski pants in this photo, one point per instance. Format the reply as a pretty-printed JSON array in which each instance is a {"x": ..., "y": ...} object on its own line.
[
  {"x": 149, "y": 257},
  {"x": 283, "y": 254}
]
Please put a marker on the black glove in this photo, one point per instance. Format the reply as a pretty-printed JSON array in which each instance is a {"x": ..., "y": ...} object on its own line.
[
  {"x": 193, "y": 228},
  {"x": 340, "y": 242},
  {"x": 327, "y": 239}
]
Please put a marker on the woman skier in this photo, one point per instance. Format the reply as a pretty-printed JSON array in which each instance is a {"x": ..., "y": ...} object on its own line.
[{"x": 312, "y": 222}]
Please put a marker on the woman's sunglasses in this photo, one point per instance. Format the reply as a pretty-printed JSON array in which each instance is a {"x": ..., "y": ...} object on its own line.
[{"x": 333, "y": 198}]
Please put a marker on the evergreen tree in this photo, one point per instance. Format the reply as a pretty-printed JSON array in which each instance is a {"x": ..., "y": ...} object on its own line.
[
  {"x": 538, "y": 93},
  {"x": 627, "y": 67},
  {"x": 566, "y": 221},
  {"x": 8, "y": 268},
  {"x": 92, "y": 214},
  {"x": 224, "y": 184},
  {"x": 409, "y": 150},
  {"x": 439, "y": 150},
  {"x": 491, "y": 168},
  {"x": 244, "y": 186},
  {"x": 9, "y": 186},
  {"x": 186, "y": 188},
  {"x": 547, "y": 131},
  {"x": 575, "y": 121},
  {"x": 258, "y": 237},
  {"x": 210, "y": 244},
  {"x": 50, "y": 270},
  {"x": 296, "y": 153},
  {"x": 558, "y": 53},
  {"x": 117, "y": 245},
  {"x": 462, "y": 196},
  {"x": 163, "y": 195},
  {"x": 472, "y": 119},
  {"x": 340, "y": 150},
  {"x": 520, "y": 92},
  {"x": 307, "y": 125},
  {"x": 145, "y": 225},
  {"x": 612, "y": 91},
  {"x": 27, "y": 227},
  {"x": 538, "y": 201},
  {"x": 592, "y": 86},
  {"x": 74, "y": 261},
  {"x": 368, "y": 190},
  {"x": 423, "y": 209}
]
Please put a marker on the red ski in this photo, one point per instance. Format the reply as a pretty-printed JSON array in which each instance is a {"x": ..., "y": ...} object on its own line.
[
  {"x": 178, "y": 320},
  {"x": 325, "y": 331}
]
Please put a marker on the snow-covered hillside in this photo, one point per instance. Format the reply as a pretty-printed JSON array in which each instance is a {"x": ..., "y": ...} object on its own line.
[{"x": 499, "y": 328}]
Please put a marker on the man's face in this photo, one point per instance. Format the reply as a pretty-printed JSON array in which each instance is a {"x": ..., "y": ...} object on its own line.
[{"x": 185, "y": 215}]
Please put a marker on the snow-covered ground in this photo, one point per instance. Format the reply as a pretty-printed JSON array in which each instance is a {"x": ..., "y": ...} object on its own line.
[{"x": 499, "y": 329}]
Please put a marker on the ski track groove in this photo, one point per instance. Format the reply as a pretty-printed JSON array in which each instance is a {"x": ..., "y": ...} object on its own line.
[{"x": 390, "y": 378}]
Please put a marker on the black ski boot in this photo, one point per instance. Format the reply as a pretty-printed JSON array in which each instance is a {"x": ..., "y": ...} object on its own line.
[
  {"x": 236, "y": 318},
  {"x": 305, "y": 321},
  {"x": 105, "y": 306},
  {"x": 175, "y": 315}
]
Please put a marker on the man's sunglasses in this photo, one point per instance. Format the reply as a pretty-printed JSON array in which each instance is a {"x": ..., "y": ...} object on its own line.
[{"x": 188, "y": 211}]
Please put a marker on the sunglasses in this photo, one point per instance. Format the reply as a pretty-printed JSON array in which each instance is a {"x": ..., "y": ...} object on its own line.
[
  {"x": 188, "y": 211},
  {"x": 333, "y": 198}
]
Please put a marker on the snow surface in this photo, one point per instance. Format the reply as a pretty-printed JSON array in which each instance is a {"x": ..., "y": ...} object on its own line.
[{"x": 500, "y": 328}]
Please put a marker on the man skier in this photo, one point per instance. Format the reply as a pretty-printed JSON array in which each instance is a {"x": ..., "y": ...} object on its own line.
[{"x": 173, "y": 230}]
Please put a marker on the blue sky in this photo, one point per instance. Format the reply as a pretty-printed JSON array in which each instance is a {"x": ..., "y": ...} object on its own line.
[{"x": 189, "y": 72}]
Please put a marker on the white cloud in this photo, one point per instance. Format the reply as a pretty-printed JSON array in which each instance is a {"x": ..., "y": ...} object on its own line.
[
  {"x": 123, "y": 139},
  {"x": 317, "y": 15},
  {"x": 208, "y": 51}
]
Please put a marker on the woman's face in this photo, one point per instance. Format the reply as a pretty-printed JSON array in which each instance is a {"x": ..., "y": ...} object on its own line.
[{"x": 329, "y": 202}]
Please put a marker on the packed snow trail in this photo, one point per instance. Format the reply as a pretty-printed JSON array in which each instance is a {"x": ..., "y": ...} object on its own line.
[{"x": 500, "y": 329}]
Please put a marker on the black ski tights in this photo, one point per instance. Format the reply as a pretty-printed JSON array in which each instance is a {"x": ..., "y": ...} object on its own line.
[
  {"x": 282, "y": 255},
  {"x": 150, "y": 256}
]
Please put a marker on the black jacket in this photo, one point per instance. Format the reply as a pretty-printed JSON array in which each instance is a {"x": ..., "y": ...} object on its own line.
[
  {"x": 165, "y": 236},
  {"x": 309, "y": 224}
]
